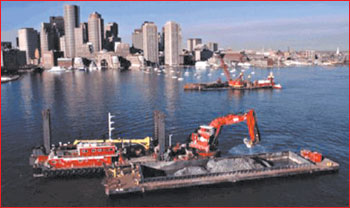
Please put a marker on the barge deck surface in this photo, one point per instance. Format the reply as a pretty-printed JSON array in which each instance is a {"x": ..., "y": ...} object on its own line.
[{"x": 164, "y": 175}]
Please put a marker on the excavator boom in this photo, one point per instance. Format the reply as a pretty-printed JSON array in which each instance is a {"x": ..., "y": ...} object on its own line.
[{"x": 206, "y": 138}]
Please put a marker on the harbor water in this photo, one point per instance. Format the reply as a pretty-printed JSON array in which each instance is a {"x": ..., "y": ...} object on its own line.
[{"x": 311, "y": 111}]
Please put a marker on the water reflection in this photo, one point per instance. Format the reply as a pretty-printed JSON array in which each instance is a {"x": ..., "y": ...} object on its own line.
[{"x": 303, "y": 114}]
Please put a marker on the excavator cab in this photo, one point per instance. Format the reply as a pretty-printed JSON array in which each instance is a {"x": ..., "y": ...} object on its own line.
[{"x": 202, "y": 138}]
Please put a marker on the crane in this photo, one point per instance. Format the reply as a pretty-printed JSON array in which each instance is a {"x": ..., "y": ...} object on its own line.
[
  {"x": 205, "y": 138},
  {"x": 235, "y": 83}
]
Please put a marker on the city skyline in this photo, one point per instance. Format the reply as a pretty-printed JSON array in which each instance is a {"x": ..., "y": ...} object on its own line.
[{"x": 304, "y": 25}]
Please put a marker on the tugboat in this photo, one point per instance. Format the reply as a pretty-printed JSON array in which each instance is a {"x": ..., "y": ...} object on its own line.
[{"x": 82, "y": 156}]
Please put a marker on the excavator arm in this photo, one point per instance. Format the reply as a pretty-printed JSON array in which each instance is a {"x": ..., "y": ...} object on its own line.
[{"x": 206, "y": 138}]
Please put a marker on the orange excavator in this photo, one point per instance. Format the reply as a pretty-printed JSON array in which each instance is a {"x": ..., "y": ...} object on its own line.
[{"x": 205, "y": 139}]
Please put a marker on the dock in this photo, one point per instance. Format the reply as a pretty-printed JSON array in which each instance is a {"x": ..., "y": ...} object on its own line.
[{"x": 178, "y": 174}]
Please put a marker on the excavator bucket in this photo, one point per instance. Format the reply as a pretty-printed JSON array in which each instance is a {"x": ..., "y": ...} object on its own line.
[{"x": 253, "y": 129}]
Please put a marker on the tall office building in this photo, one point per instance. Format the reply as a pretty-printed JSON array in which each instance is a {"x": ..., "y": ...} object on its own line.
[
  {"x": 50, "y": 34},
  {"x": 58, "y": 22},
  {"x": 71, "y": 21},
  {"x": 63, "y": 44},
  {"x": 81, "y": 39},
  {"x": 192, "y": 43},
  {"x": 111, "y": 36},
  {"x": 161, "y": 40},
  {"x": 96, "y": 31},
  {"x": 28, "y": 41},
  {"x": 213, "y": 46},
  {"x": 111, "y": 30},
  {"x": 137, "y": 37},
  {"x": 172, "y": 43},
  {"x": 150, "y": 42},
  {"x": 47, "y": 39}
]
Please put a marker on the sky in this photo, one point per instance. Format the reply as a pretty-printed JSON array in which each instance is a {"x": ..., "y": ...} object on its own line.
[{"x": 235, "y": 25}]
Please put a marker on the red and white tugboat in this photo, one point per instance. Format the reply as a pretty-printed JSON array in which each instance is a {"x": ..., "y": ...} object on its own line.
[{"x": 83, "y": 156}]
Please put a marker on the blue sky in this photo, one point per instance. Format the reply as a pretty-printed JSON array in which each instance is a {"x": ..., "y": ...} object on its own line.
[{"x": 236, "y": 25}]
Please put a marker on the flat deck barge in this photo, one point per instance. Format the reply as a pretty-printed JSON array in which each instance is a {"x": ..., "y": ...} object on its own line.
[
  {"x": 222, "y": 86},
  {"x": 175, "y": 174}
]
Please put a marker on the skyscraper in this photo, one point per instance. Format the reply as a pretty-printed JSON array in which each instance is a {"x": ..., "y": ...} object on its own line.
[
  {"x": 111, "y": 36},
  {"x": 71, "y": 21},
  {"x": 150, "y": 42},
  {"x": 81, "y": 38},
  {"x": 137, "y": 37},
  {"x": 50, "y": 34},
  {"x": 47, "y": 40},
  {"x": 96, "y": 31},
  {"x": 111, "y": 30},
  {"x": 63, "y": 44},
  {"x": 58, "y": 22},
  {"x": 172, "y": 43},
  {"x": 28, "y": 41}
]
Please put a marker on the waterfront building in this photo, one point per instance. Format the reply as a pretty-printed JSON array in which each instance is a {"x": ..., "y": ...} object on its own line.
[
  {"x": 213, "y": 46},
  {"x": 28, "y": 41},
  {"x": 96, "y": 31},
  {"x": 150, "y": 42},
  {"x": 137, "y": 39},
  {"x": 202, "y": 53},
  {"x": 49, "y": 58},
  {"x": 65, "y": 62},
  {"x": 71, "y": 21},
  {"x": 12, "y": 59},
  {"x": 192, "y": 43},
  {"x": 172, "y": 43},
  {"x": 122, "y": 49}
]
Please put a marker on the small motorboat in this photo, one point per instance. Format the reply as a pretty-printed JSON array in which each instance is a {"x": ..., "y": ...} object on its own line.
[
  {"x": 57, "y": 69},
  {"x": 9, "y": 78},
  {"x": 277, "y": 86}
]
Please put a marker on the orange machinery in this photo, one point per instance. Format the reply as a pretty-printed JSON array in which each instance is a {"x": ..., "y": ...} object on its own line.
[
  {"x": 205, "y": 139},
  {"x": 312, "y": 156}
]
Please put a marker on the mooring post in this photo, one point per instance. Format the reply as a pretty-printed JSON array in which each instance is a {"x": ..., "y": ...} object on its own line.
[
  {"x": 46, "y": 130},
  {"x": 159, "y": 132}
]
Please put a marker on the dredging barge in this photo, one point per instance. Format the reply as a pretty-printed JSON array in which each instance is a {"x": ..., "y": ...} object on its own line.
[
  {"x": 129, "y": 169},
  {"x": 142, "y": 177},
  {"x": 234, "y": 84}
]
